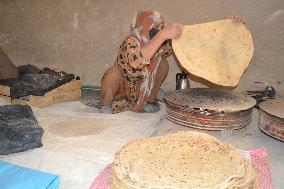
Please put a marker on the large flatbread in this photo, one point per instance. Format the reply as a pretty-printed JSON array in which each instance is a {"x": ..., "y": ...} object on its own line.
[
  {"x": 217, "y": 51},
  {"x": 180, "y": 160}
]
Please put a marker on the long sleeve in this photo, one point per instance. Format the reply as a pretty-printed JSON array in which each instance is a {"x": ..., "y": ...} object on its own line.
[
  {"x": 167, "y": 49},
  {"x": 130, "y": 59}
]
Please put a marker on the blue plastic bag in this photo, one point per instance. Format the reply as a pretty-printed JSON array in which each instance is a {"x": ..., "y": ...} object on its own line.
[{"x": 16, "y": 177}]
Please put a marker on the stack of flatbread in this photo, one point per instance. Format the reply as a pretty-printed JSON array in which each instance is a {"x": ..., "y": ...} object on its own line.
[
  {"x": 217, "y": 51},
  {"x": 181, "y": 160}
]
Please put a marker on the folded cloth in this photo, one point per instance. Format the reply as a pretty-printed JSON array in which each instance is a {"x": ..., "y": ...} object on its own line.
[
  {"x": 16, "y": 177},
  {"x": 101, "y": 182},
  {"x": 19, "y": 129},
  {"x": 258, "y": 158},
  {"x": 260, "y": 161}
]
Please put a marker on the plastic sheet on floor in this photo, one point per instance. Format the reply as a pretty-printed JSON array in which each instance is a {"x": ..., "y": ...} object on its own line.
[
  {"x": 78, "y": 141},
  {"x": 17, "y": 177}
]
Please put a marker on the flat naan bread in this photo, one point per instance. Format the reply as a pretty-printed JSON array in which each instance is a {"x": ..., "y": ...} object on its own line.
[
  {"x": 218, "y": 51},
  {"x": 180, "y": 160}
]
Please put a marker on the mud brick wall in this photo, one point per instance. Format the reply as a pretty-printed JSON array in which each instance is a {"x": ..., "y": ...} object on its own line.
[{"x": 82, "y": 36}]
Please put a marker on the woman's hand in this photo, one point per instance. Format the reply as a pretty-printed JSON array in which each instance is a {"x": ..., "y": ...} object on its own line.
[
  {"x": 172, "y": 31},
  {"x": 237, "y": 20}
]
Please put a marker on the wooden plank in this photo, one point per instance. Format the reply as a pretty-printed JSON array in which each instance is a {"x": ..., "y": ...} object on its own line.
[
  {"x": 72, "y": 85},
  {"x": 19, "y": 101},
  {"x": 66, "y": 92},
  {"x": 4, "y": 90},
  {"x": 6, "y": 98},
  {"x": 42, "y": 101},
  {"x": 68, "y": 96}
]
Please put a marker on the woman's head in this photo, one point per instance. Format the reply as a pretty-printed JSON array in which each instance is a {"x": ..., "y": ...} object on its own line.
[{"x": 146, "y": 24}]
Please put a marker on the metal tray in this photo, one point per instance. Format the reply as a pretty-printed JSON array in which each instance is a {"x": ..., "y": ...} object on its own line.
[
  {"x": 271, "y": 120},
  {"x": 209, "y": 109}
]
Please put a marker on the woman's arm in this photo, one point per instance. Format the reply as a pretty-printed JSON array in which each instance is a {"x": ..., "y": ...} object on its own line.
[{"x": 172, "y": 31}]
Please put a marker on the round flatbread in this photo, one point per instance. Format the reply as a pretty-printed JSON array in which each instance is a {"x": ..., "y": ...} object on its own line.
[
  {"x": 217, "y": 51},
  {"x": 180, "y": 160}
]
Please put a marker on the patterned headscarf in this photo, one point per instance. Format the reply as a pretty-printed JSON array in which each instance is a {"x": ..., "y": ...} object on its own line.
[{"x": 142, "y": 24}]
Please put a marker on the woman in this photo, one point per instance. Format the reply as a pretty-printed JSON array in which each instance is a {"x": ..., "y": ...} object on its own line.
[{"x": 140, "y": 68}]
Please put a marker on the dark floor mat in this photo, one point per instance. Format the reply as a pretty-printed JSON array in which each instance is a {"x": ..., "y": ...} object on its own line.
[{"x": 19, "y": 129}]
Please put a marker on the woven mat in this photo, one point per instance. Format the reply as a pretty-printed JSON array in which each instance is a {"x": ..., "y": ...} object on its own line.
[{"x": 258, "y": 158}]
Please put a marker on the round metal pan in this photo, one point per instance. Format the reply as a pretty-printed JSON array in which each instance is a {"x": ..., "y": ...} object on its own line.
[
  {"x": 209, "y": 109},
  {"x": 271, "y": 120}
]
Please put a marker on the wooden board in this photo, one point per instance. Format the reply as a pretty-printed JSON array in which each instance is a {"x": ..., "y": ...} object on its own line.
[
  {"x": 5, "y": 90},
  {"x": 73, "y": 85},
  {"x": 68, "y": 92},
  {"x": 42, "y": 101},
  {"x": 6, "y": 98}
]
